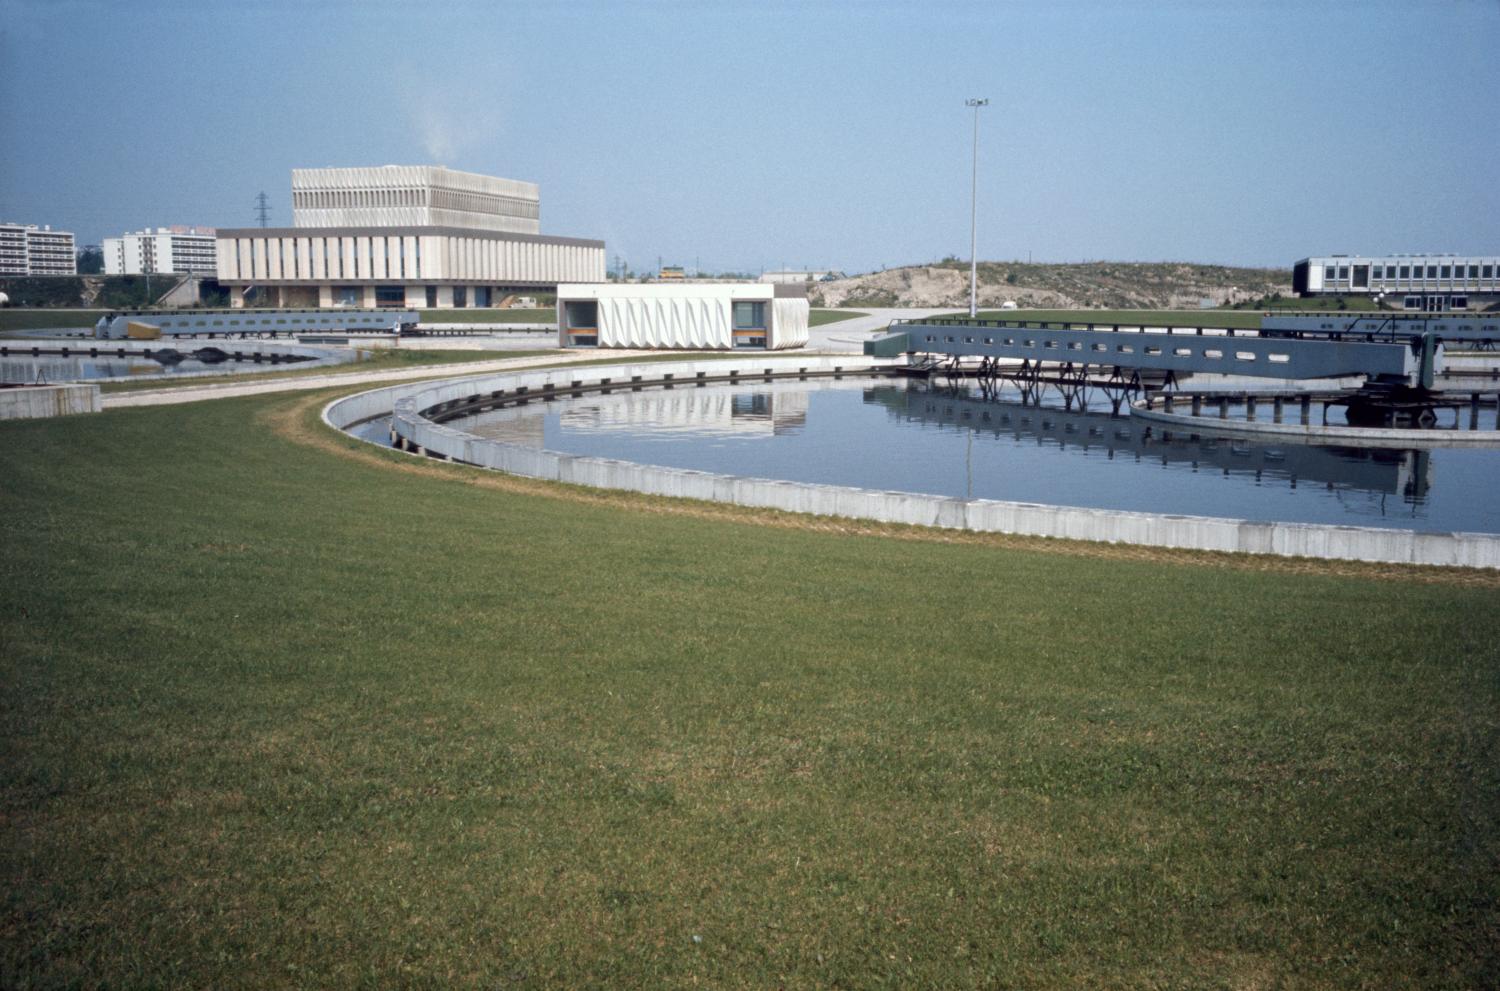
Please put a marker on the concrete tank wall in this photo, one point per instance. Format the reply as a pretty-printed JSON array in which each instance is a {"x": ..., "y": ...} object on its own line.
[
  {"x": 404, "y": 402},
  {"x": 35, "y": 401}
]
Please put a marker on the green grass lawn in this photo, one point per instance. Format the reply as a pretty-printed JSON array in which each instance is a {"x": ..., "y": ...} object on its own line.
[
  {"x": 13, "y": 319},
  {"x": 1324, "y": 304},
  {"x": 385, "y": 359},
  {"x": 277, "y": 715},
  {"x": 818, "y": 318}
]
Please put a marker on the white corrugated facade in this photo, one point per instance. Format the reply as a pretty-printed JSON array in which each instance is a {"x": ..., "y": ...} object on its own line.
[{"x": 695, "y": 316}]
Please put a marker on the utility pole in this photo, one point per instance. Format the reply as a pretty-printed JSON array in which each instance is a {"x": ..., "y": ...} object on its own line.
[
  {"x": 974, "y": 214},
  {"x": 262, "y": 209}
]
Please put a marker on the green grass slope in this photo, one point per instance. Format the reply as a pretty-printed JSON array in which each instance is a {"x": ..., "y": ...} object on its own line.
[{"x": 277, "y": 717}]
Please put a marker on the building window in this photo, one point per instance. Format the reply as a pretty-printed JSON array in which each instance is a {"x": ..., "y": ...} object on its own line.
[
  {"x": 1329, "y": 273},
  {"x": 460, "y": 297},
  {"x": 1489, "y": 272},
  {"x": 1447, "y": 272},
  {"x": 1432, "y": 271},
  {"x": 1343, "y": 273},
  {"x": 581, "y": 322},
  {"x": 750, "y": 324},
  {"x": 1473, "y": 271},
  {"x": 1405, "y": 271},
  {"x": 1379, "y": 273},
  {"x": 749, "y": 316},
  {"x": 390, "y": 296}
]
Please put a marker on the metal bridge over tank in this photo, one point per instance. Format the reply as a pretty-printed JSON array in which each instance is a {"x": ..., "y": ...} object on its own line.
[
  {"x": 255, "y": 322},
  {"x": 1480, "y": 332},
  {"x": 1175, "y": 351},
  {"x": 1115, "y": 436}
]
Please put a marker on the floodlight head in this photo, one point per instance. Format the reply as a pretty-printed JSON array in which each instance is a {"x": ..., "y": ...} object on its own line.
[{"x": 977, "y": 103}]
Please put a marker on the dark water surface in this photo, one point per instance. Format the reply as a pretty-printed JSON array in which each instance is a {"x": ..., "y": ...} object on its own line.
[
  {"x": 53, "y": 368},
  {"x": 907, "y": 436}
]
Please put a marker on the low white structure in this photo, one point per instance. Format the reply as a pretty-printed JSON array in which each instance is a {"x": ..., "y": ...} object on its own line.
[
  {"x": 696, "y": 315},
  {"x": 787, "y": 276},
  {"x": 1431, "y": 283}
]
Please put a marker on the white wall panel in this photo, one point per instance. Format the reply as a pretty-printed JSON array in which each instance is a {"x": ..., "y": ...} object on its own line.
[{"x": 789, "y": 317}]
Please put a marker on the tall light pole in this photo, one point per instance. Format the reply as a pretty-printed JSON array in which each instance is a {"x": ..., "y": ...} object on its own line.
[{"x": 974, "y": 215}]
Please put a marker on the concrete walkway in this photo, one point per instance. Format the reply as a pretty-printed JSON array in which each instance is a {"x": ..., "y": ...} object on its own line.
[
  {"x": 227, "y": 389},
  {"x": 850, "y": 335}
]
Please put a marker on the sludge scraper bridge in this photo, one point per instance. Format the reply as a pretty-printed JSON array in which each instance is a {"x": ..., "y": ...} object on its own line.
[{"x": 1400, "y": 354}]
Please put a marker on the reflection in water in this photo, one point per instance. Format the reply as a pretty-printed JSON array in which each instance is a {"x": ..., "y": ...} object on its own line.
[
  {"x": 702, "y": 412},
  {"x": 52, "y": 369},
  {"x": 897, "y": 435},
  {"x": 1376, "y": 470},
  {"x": 763, "y": 410}
]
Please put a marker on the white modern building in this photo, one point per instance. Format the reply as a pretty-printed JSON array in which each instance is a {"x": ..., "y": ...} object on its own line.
[
  {"x": 1436, "y": 283},
  {"x": 694, "y": 316},
  {"x": 31, "y": 250},
  {"x": 403, "y": 236},
  {"x": 175, "y": 250}
]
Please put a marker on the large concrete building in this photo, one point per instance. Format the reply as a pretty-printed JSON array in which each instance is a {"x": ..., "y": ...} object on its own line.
[
  {"x": 414, "y": 196},
  {"x": 31, "y": 250},
  {"x": 175, "y": 250},
  {"x": 1431, "y": 283},
  {"x": 403, "y": 236}
]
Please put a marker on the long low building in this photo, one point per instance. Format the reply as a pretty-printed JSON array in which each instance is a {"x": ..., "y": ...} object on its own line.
[
  {"x": 402, "y": 236},
  {"x": 1431, "y": 283},
  {"x": 695, "y": 315},
  {"x": 431, "y": 267}
]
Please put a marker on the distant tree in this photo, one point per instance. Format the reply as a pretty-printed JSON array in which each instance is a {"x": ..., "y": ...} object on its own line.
[{"x": 90, "y": 260}]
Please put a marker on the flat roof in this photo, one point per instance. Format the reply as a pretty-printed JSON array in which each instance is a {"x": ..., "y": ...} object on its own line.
[{"x": 238, "y": 232}]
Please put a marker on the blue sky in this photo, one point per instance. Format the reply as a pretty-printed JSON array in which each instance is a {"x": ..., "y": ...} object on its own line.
[{"x": 747, "y": 136}]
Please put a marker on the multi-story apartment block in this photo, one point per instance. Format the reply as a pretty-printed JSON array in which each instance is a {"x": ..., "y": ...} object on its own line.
[
  {"x": 179, "y": 250},
  {"x": 31, "y": 250}
]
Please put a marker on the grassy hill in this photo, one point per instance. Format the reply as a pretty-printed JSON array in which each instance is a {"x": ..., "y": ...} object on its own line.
[{"x": 1116, "y": 285}]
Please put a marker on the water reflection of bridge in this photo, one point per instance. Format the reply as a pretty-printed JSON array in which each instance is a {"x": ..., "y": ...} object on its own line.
[{"x": 1103, "y": 434}]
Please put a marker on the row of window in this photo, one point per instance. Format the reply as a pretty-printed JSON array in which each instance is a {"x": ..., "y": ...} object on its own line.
[
  {"x": 465, "y": 258},
  {"x": 1385, "y": 273},
  {"x": 289, "y": 262},
  {"x": 335, "y": 199}
]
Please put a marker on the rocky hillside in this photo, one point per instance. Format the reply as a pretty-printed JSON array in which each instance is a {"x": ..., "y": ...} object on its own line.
[{"x": 1113, "y": 285}]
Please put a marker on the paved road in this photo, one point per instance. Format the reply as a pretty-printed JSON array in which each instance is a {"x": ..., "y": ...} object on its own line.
[{"x": 850, "y": 335}]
